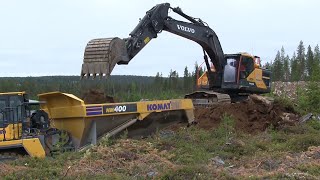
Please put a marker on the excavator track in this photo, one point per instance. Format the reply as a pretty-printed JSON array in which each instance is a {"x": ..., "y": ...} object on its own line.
[
  {"x": 208, "y": 98},
  {"x": 101, "y": 55}
]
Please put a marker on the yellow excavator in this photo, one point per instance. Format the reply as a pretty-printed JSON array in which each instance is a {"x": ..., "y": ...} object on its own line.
[{"x": 229, "y": 77}]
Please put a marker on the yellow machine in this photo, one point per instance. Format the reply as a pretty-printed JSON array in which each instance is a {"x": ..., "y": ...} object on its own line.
[
  {"x": 86, "y": 123},
  {"x": 16, "y": 125},
  {"x": 74, "y": 124}
]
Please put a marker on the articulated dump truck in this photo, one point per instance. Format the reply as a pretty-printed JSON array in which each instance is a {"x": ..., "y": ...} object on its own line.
[{"x": 66, "y": 122}]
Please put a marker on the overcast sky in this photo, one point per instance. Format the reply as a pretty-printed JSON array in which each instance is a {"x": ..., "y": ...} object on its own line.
[{"x": 40, "y": 37}]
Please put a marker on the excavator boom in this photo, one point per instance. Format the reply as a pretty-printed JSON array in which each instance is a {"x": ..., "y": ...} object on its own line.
[
  {"x": 101, "y": 55},
  {"x": 232, "y": 74}
]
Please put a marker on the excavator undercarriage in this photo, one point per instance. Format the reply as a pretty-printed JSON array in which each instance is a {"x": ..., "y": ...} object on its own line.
[{"x": 208, "y": 98}]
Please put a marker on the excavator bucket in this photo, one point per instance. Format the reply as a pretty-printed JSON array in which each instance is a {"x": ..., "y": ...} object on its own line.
[{"x": 101, "y": 55}]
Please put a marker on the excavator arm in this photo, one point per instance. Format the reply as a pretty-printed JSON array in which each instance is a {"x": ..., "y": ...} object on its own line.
[{"x": 101, "y": 55}]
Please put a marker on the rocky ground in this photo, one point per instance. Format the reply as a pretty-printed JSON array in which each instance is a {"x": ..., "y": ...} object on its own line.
[{"x": 288, "y": 89}]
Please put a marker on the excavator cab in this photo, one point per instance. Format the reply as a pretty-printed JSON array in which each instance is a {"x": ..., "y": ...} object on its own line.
[{"x": 242, "y": 74}]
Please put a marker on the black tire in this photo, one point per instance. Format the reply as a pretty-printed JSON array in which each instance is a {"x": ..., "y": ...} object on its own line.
[{"x": 40, "y": 120}]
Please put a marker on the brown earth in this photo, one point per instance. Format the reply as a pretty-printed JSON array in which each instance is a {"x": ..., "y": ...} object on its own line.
[
  {"x": 6, "y": 168},
  {"x": 96, "y": 97},
  {"x": 130, "y": 155},
  {"x": 290, "y": 165},
  {"x": 251, "y": 116}
]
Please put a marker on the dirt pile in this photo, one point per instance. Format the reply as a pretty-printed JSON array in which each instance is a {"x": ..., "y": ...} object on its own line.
[
  {"x": 96, "y": 97},
  {"x": 251, "y": 116}
]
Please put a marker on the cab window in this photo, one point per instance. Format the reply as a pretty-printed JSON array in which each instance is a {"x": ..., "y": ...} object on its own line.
[
  {"x": 16, "y": 108},
  {"x": 2, "y": 112},
  {"x": 246, "y": 66},
  {"x": 230, "y": 71}
]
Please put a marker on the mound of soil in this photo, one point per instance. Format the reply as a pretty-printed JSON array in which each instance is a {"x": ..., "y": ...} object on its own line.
[
  {"x": 96, "y": 97},
  {"x": 251, "y": 116}
]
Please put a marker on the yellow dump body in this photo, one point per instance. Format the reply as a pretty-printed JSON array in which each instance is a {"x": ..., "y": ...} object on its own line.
[{"x": 88, "y": 122}]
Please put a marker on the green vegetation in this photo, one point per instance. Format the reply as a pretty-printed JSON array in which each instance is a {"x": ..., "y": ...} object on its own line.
[
  {"x": 309, "y": 100},
  {"x": 188, "y": 153}
]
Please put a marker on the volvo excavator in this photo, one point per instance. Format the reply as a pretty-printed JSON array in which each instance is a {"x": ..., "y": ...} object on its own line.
[{"x": 229, "y": 77}]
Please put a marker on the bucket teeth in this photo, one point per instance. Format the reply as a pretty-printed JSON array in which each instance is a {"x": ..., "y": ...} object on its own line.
[{"x": 101, "y": 56}]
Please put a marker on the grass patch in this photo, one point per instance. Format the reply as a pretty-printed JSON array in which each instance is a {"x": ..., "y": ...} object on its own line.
[
  {"x": 313, "y": 169},
  {"x": 190, "y": 150}
]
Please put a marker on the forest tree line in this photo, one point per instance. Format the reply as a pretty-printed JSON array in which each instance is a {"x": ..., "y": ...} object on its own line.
[
  {"x": 303, "y": 65},
  {"x": 122, "y": 87}
]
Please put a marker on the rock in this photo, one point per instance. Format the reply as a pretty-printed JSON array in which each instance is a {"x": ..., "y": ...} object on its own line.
[
  {"x": 237, "y": 143},
  {"x": 305, "y": 118},
  {"x": 152, "y": 174},
  {"x": 317, "y": 117},
  {"x": 218, "y": 161},
  {"x": 261, "y": 99},
  {"x": 166, "y": 133}
]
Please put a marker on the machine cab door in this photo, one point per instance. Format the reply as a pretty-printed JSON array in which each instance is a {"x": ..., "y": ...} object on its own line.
[
  {"x": 3, "y": 112},
  {"x": 236, "y": 71},
  {"x": 230, "y": 74},
  {"x": 246, "y": 67},
  {"x": 250, "y": 75}
]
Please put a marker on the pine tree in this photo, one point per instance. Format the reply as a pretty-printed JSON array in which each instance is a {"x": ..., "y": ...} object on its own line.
[
  {"x": 277, "y": 68},
  {"x": 173, "y": 80},
  {"x": 282, "y": 59},
  {"x": 316, "y": 69},
  {"x": 186, "y": 80},
  {"x": 316, "y": 55},
  {"x": 157, "y": 82},
  {"x": 267, "y": 66},
  {"x": 295, "y": 76},
  {"x": 310, "y": 62},
  {"x": 301, "y": 61},
  {"x": 286, "y": 69}
]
